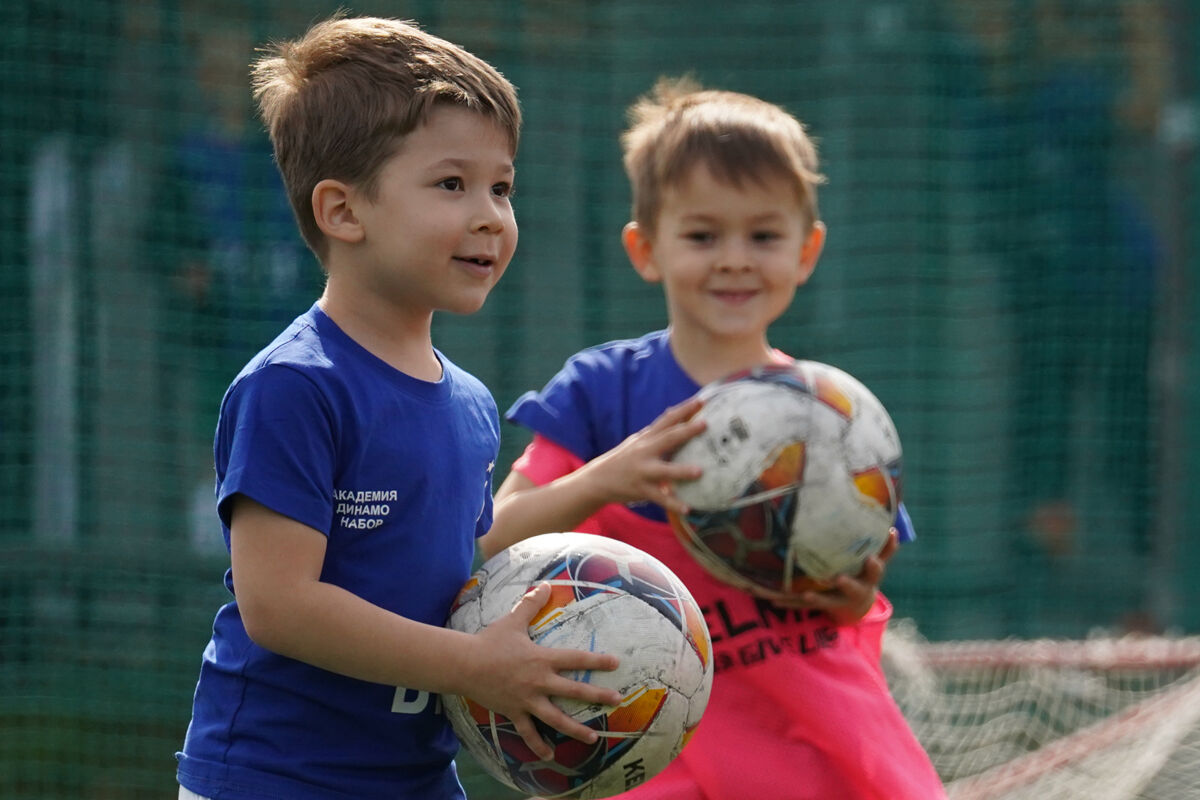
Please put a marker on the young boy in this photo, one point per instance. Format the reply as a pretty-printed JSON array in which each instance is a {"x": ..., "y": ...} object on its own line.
[
  {"x": 353, "y": 459},
  {"x": 725, "y": 218}
]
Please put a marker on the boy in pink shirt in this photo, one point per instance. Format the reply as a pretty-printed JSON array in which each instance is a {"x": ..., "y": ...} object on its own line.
[{"x": 725, "y": 218}]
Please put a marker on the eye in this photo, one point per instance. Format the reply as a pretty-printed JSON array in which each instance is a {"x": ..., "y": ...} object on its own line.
[
  {"x": 700, "y": 237},
  {"x": 765, "y": 237},
  {"x": 452, "y": 184},
  {"x": 502, "y": 189}
]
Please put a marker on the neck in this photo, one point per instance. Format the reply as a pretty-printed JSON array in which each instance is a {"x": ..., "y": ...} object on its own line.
[
  {"x": 401, "y": 340},
  {"x": 706, "y": 359}
]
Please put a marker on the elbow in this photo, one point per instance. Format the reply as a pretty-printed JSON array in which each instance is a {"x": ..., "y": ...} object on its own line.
[
  {"x": 265, "y": 624},
  {"x": 258, "y": 629}
]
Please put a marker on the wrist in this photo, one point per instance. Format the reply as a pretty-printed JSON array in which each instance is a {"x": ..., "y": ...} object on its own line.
[{"x": 589, "y": 491}]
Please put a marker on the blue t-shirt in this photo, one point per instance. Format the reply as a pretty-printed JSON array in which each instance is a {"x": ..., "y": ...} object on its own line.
[
  {"x": 396, "y": 472},
  {"x": 606, "y": 393}
]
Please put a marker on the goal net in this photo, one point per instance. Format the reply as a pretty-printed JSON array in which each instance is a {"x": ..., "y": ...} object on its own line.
[{"x": 1095, "y": 719}]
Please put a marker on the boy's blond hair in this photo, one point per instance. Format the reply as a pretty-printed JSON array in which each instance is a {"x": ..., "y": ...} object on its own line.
[
  {"x": 679, "y": 125},
  {"x": 338, "y": 100}
]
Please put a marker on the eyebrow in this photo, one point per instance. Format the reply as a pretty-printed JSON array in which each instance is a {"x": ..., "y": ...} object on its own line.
[
  {"x": 465, "y": 163},
  {"x": 769, "y": 216}
]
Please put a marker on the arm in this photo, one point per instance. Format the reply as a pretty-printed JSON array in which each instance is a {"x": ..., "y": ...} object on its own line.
[
  {"x": 633, "y": 471},
  {"x": 287, "y": 609}
]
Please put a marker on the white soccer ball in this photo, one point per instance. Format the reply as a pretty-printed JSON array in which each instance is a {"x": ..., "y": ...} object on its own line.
[
  {"x": 802, "y": 477},
  {"x": 609, "y": 597}
]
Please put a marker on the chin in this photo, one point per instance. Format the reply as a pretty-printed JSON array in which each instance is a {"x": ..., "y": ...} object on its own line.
[
  {"x": 465, "y": 306},
  {"x": 730, "y": 329}
]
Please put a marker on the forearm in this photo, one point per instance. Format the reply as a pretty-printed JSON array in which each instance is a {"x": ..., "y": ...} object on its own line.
[
  {"x": 524, "y": 509},
  {"x": 500, "y": 666},
  {"x": 328, "y": 627},
  {"x": 288, "y": 609},
  {"x": 637, "y": 470}
]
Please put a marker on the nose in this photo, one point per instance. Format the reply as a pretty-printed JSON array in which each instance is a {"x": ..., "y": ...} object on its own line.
[
  {"x": 733, "y": 256},
  {"x": 488, "y": 217}
]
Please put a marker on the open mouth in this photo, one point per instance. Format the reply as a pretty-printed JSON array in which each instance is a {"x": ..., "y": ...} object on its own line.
[
  {"x": 734, "y": 296},
  {"x": 482, "y": 262}
]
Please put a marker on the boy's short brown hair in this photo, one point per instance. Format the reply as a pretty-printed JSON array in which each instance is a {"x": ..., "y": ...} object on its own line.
[
  {"x": 736, "y": 136},
  {"x": 337, "y": 101}
]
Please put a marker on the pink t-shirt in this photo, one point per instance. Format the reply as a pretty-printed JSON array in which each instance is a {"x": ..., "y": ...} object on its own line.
[{"x": 799, "y": 707}]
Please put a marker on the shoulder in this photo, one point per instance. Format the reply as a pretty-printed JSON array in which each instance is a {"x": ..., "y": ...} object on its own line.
[
  {"x": 311, "y": 369},
  {"x": 464, "y": 382},
  {"x": 626, "y": 351},
  {"x": 604, "y": 393},
  {"x": 470, "y": 394},
  {"x": 302, "y": 345},
  {"x": 604, "y": 370},
  {"x": 297, "y": 360},
  {"x": 618, "y": 357}
]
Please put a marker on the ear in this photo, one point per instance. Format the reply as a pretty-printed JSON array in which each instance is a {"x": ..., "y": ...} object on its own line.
[
  {"x": 810, "y": 252},
  {"x": 640, "y": 252},
  {"x": 334, "y": 212}
]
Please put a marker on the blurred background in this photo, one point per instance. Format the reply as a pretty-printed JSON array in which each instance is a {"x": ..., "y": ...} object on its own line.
[{"x": 1011, "y": 267}]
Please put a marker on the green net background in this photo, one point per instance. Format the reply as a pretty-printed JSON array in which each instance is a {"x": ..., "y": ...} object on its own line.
[{"x": 1011, "y": 267}]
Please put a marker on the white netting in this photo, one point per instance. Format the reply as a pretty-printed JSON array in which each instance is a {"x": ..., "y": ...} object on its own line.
[{"x": 1095, "y": 719}]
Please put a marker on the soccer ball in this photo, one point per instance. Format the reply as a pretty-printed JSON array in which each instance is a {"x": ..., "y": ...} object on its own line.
[
  {"x": 606, "y": 596},
  {"x": 801, "y": 478}
]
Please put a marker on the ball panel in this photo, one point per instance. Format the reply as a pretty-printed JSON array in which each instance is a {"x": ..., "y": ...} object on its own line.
[
  {"x": 747, "y": 426},
  {"x": 786, "y": 468},
  {"x": 637, "y": 712},
  {"x": 606, "y": 596},
  {"x": 470, "y": 589},
  {"x": 697, "y": 635},
  {"x": 829, "y": 390},
  {"x": 562, "y": 594},
  {"x": 875, "y": 486},
  {"x": 802, "y": 469}
]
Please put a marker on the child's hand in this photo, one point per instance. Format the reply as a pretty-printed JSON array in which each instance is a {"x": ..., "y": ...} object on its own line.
[
  {"x": 638, "y": 468},
  {"x": 850, "y": 597},
  {"x": 519, "y": 676}
]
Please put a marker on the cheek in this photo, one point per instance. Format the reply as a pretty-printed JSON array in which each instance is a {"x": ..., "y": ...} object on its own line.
[
  {"x": 511, "y": 230},
  {"x": 509, "y": 240},
  {"x": 688, "y": 275},
  {"x": 789, "y": 272}
]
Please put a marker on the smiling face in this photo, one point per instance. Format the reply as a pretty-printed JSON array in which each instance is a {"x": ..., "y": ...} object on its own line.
[
  {"x": 439, "y": 231},
  {"x": 729, "y": 257}
]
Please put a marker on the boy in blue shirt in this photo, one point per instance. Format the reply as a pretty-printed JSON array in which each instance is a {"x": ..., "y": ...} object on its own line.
[{"x": 353, "y": 460}]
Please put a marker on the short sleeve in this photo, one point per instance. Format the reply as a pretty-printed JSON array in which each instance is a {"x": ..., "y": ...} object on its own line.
[
  {"x": 562, "y": 412},
  {"x": 483, "y": 522},
  {"x": 275, "y": 445}
]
